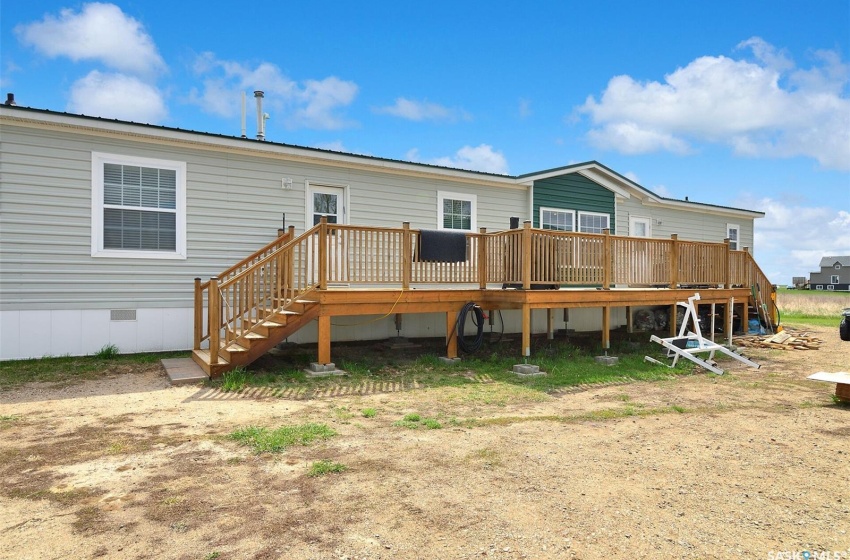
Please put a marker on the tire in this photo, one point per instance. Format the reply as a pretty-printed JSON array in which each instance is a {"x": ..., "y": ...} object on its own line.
[{"x": 844, "y": 330}]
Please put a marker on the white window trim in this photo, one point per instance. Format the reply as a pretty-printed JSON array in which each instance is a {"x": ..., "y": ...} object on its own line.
[
  {"x": 837, "y": 266},
  {"x": 833, "y": 279},
  {"x": 736, "y": 244},
  {"x": 633, "y": 219},
  {"x": 562, "y": 211},
  {"x": 830, "y": 287},
  {"x": 98, "y": 160},
  {"x": 819, "y": 287},
  {"x": 311, "y": 187},
  {"x": 442, "y": 195},
  {"x": 581, "y": 213}
]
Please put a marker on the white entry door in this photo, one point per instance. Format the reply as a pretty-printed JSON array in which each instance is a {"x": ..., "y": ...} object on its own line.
[
  {"x": 330, "y": 202},
  {"x": 640, "y": 226}
]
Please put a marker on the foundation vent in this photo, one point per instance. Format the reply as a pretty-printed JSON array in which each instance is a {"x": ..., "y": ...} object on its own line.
[{"x": 122, "y": 314}]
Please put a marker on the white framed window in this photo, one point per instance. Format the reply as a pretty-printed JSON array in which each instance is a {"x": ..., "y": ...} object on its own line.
[
  {"x": 837, "y": 266},
  {"x": 833, "y": 279},
  {"x": 819, "y": 287},
  {"x": 558, "y": 220},
  {"x": 138, "y": 207},
  {"x": 456, "y": 211},
  {"x": 593, "y": 222},
  {"x": 830, "y": 287},
  {"x": 733, "y": 234},
  {"x": 640, "y": 226}
]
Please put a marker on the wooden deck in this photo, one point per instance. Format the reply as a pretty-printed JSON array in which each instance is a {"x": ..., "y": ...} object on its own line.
[{"x": 337, "y": 270}]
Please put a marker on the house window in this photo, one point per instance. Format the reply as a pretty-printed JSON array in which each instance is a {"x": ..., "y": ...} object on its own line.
[
  {"x": 733, "y": 234},
  {"x": 819, "y": 287},
  {"x": 558, "y": 220},
  {"x": 830, "y": 287},
  {"x": 833, "y": 279},
  {"x": 456, "y": 211},
  {"x": 837, "y": 266},
  {"x": 138, "y": 207},
  {"x": 591, "y": 222}
]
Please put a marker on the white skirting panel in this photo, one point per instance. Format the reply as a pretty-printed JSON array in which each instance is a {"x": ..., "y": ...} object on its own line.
[{"x": 36, "y": 334}]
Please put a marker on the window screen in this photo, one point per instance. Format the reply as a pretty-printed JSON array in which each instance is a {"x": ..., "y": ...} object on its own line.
[{"x": 139, "y": 208}]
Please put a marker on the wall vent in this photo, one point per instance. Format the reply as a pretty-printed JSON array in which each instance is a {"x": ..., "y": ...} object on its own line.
[{"x": 122, "y": 315}]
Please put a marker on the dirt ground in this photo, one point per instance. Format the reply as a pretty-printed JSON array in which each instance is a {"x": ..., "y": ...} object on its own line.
[{"x": 752, "y": 464}]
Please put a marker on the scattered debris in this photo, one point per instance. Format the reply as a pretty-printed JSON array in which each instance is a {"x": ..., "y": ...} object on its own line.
[{"x": 788, "y": 339}]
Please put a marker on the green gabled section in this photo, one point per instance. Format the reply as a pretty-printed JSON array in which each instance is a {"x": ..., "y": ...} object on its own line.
[{"x": 572, "y": 191}]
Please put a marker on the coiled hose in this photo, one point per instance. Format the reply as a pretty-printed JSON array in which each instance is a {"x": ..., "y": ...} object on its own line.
[{"x": 470, "y": 346}]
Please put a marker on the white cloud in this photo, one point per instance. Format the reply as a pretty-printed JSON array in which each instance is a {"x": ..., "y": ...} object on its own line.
[
  {"x": 791, "y": 239},
  {"x": 117, "y": 96},
  {"x": 99, "y": 32},
  {"x": 767, "y": 107},
  {"x": 421, "y": 111},
  {"x": 478, "y": 158},
  {"x": 524, "y": 108},
  {"x": 661, "y": 190},
  {"x": 312, "y": 104}
]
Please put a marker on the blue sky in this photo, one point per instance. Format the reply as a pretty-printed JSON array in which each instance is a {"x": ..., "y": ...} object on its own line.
[{"x": 743, "y": 104}]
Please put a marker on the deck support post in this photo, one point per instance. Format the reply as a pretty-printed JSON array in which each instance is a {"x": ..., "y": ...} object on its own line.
[
  {"x": 674, "y": 265},
  {"x": 606, "y": 327},
  {"x": 730, "y": 314},
  {"x": 630, "y": 324},
  {"x": 526, "y": 330},
  {"x": 482, "y": 258},
  {"x": 214, "y": 320},
  {"x": 607, "y": 261},
  {"x": 727, "y": 264},
  {"x": 527, "y": 257},
  {"x": 550, "y": 323},
  {"x": 406, "y": 256},
  {"x": 451, "y": 335},
  {"x": 199, "y": 315},
  {"x": 324, "y": 339},
  {"x": 673, "y": 313},
  {"x": 323, "y": 253}
]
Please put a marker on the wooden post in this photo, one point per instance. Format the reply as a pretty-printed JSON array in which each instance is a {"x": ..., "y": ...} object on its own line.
[
  {"x": 324, "y": 339},
  {"x": 482, "y": 258},
  {"x": 727, "y": 260},
  {"x": 291, "y": 233},
  {"x": 451, "y": 334},
  {"x": 673, "y": 313},
  {"x": 730, "y": 314},
  {"x": 526, "y": 257},
  {"x": 550, "y": 323},
  {"x": 674, "y": 261},
  {"x": 406, "y": 256},
  {"x": 630, "y": 324},
  {"x": 214, "y": 319},
  {"x": 606, "y": 259},
  {"x": 526, "y": 328},
  {"x": 323, "y": 253},
  {"x": 606, "y": 327},
  {"x": 199, "y": 315},
  {"x": 713, "y": 317}
]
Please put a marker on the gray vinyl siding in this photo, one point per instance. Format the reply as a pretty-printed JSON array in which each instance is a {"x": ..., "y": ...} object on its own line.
[
  {"x": 234, "y": 206},
  {"x": 696, "y": 225}
]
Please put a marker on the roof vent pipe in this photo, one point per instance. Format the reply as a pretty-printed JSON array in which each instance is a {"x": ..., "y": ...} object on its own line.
[
  {"x": 244, "y": 128},
  {"x": 10, "y": 99},
  {"x": 261, "y": 121}
]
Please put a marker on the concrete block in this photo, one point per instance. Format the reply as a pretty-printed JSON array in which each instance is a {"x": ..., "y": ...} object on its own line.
[
  {"x": 527, "y": 370},
  {"x": 316, "y": 369},
  {"x": 607, "y": 360},
  {"x": 447, "y": 360}
]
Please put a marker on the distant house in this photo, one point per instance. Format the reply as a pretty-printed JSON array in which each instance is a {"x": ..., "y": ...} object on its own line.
[{"x": 834, "y": 274}]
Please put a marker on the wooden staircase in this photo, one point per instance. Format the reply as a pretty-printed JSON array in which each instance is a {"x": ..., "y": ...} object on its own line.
[
  {"x": 251, "y": 343},
  {"x": 256, "y": 304}
]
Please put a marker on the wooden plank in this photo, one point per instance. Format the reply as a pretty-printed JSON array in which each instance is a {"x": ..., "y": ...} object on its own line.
[
  {"x": 526, "y": 330},
  {"x": 451, "y": 334},
  {"x": 324, "y": 339},
  {"x": 606, "y": 327}
]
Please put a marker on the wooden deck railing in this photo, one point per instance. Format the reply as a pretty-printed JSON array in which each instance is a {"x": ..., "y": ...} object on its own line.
[{"x": 271, "y": 279}]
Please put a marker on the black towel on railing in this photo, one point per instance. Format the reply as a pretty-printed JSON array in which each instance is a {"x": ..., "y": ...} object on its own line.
[{"x": 441, "y": 246}]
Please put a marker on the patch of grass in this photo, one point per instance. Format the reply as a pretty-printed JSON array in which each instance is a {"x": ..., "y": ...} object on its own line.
[
  {"x": 677, "y": 408},
  {"x": 413, "y": 421},
  {"x": 234, "y": 381},
  {"x": 369, "y": 413},
  {"x": 323, "y": 467},
  {"x": 108, "y": 352},
  {"x": 213, "y": 555},
  {"x": 69, "y": 369},
  {"x": 263, "y": 440},
  {"x": 490, "y": 457},
  {"x": 342, "y": 413},
  {"x": 799, "y": 320}
]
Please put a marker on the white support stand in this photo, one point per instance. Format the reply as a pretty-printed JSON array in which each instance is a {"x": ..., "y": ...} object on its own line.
[{"x": 688, "y": 343}]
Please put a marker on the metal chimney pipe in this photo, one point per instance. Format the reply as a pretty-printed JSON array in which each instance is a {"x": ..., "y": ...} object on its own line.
[
  {"x": 261, "y": 124},
  {"x": 10, "y": 99},
  {"x": 244, "y": 127}
]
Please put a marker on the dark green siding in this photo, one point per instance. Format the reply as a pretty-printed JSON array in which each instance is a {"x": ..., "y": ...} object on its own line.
[{"x": 573, "y": 192}]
